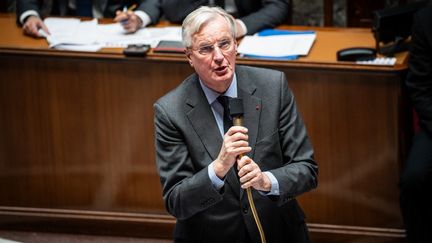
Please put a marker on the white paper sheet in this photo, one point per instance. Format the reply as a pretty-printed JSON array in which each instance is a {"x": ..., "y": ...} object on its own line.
[
  {"x": 71, "y": 31},
  {"x": 277, "y": 45},
  {"x": 113, "y": 35},
  {"x": 87, "y": 48}
]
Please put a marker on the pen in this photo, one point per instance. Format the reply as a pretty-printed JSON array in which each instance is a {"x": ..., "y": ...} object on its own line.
[
  {"x": 125, "y": 10},
  {"x": 132, "y": 7}
]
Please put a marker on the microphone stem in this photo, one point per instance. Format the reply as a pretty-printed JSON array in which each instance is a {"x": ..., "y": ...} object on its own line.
[{"x": 238, "y": 121}]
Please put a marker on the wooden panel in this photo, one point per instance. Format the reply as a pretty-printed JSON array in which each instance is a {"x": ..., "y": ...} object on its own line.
[
  {"x": 353, "y": 123},
  {"x": 79, "y": 133}
]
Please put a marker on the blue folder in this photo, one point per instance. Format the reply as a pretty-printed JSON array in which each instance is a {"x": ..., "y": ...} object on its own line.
[{"x": 268, "y": 32}]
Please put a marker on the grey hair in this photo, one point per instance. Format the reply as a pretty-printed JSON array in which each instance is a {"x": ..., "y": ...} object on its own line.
[{"x": 193, "y": 22}]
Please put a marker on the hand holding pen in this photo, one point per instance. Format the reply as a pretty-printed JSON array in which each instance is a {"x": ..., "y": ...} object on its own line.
[{"x": 128, "y": 19}]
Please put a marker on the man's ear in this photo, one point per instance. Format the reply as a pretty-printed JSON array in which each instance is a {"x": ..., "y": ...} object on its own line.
[{"x": 188, "y": 55}]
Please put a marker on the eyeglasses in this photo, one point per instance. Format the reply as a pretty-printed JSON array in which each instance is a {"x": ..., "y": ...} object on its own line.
[{"x": 223, "y": 45}]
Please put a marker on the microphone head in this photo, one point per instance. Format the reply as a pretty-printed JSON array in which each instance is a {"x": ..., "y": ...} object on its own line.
[{"x": 235, "y": 107}]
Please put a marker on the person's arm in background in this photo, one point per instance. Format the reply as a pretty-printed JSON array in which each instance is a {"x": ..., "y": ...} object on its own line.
[
  {"x": 419, "y": 79},
  {"x": 148, "y": 12},
  {"x": 28, "y": 16},
  {"x": 271, "y": 14},
  {"x": 177, "y": 10}
]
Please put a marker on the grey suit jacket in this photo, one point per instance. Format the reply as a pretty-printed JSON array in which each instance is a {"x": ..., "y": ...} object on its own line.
[
  {"x": 188, "y": 140},
  {"x": 256, "y": 14}
]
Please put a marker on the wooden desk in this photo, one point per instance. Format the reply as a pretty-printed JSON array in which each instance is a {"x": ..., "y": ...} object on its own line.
[{"x": 77, "y": 143}]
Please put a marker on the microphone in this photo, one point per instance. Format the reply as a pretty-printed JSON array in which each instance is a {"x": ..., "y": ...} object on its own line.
[
  {"x": 236, "y": 111},
  {"x": 235, "y": 106}
]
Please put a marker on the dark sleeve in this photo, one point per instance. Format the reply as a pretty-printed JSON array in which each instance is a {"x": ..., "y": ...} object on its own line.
[
  {"x": 186, "y": 191},
  {"x": 152, "y": 8},
  {"x": 271, "y": 14},
  {"x": 419, "y": 79},
  {"x": 25, "y": 5},
  {"x": 300, "y": 171},
  {"x": 176, "y": 11}
]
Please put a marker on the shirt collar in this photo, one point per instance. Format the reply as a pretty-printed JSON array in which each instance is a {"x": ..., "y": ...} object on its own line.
[{"x": 213, "y": 95}]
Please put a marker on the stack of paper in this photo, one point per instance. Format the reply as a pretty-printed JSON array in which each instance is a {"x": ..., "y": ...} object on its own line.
[
  {"x": 279, "y": 45},
  {"x": 73, "y": 34},
  {"x": 113, "y": 35}
]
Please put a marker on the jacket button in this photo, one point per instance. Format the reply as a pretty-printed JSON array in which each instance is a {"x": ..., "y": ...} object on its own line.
[{"x": 245, "y": 209}]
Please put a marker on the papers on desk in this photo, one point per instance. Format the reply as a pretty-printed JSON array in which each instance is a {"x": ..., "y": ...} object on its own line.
[
  {"x": 77, "y": 35},
  {"x": 71, "y": 33},
  {"x": 74, "y": 34},
  {"x": 113, "y": 35},
  {"x": 277, "y": 44}
]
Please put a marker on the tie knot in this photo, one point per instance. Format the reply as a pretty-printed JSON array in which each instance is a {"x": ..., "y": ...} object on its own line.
[{"x": 224, "y": 100}]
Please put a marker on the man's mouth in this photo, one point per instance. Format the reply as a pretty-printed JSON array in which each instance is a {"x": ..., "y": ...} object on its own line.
[{"x": 221, "y": 69}]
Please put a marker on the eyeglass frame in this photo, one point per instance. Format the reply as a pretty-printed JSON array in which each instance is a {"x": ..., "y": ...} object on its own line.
[{"x": 211, "y": 47}]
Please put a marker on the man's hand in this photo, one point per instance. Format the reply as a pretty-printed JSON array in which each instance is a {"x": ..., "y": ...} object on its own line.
[
  {"x": 251, "y": 175},
  {"x": 32, "y": 25},
  {"x": 129, "y": 20},
  {"x": 235, "y": 143}
]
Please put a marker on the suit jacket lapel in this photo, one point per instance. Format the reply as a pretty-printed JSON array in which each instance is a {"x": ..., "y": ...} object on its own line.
[
  {"x": 202, "y": 119},
  {"x": 251, "y": 108}
]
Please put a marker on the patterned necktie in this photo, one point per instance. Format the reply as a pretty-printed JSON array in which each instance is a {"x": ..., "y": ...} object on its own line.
[{"x": 227, "y": 122}]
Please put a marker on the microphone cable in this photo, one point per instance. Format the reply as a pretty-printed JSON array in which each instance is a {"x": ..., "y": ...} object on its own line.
[{"x": 236, "y": 112}]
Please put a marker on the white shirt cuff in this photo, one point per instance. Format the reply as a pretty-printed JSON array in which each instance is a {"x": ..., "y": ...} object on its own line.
[
  {"x": 26, "y": 14},
  {"x": 216, "y": 181},
  {"x": 145, "y": 18},
  {"x": 274, "y": 185}
]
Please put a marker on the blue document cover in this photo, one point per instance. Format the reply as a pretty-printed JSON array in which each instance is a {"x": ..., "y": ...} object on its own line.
[{"x": 268, "y": 32}]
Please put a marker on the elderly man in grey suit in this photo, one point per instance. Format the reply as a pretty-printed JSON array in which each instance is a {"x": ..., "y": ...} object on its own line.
[{"x": 202, "y": 175}]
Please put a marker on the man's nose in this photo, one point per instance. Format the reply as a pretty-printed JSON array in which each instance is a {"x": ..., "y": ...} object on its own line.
[{"x": 217, "y": 54}]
